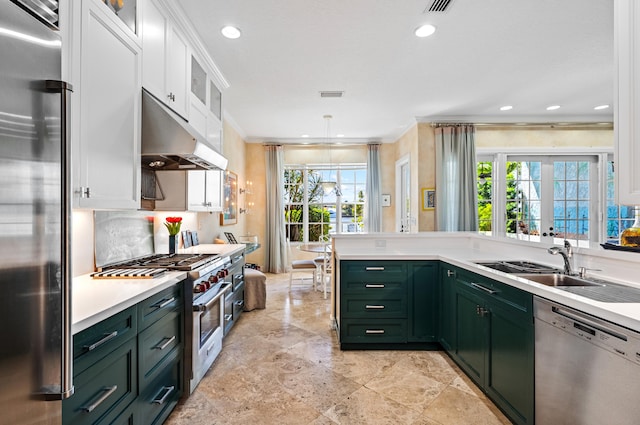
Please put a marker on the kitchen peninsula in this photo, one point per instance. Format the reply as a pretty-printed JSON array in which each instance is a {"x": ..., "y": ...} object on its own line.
[{"x": 522, "y": 342}]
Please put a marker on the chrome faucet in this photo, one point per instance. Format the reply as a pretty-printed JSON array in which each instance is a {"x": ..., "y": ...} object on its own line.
[{"x": 566, "y": 253}]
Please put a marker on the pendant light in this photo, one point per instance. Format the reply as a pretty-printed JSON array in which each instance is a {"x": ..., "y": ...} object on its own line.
[{"x": 329, "y": 186}]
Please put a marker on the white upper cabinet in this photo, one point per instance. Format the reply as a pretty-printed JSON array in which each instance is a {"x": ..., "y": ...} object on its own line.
[
  {"x": 627, "y": 101},
  {"x": 165, "y": 61},
  {"x": 105, "y": 69},
  {"x": 190, "y": 190},
  {"x": 205, "y": 110}
]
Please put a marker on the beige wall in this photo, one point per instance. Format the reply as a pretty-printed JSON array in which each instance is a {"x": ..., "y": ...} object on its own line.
[
  {"x": 256, "y": 172},
  {"x": 426, "y": 174},
  {"x": 209, "y": 223},
  {"x": 540, "y": 137}
]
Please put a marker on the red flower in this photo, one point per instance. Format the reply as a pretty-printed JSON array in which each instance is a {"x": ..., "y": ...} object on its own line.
[{"x": 173, "y": 225}]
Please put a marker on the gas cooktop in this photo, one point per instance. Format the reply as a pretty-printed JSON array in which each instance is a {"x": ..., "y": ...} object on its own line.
[{"x": 182, "y": 262}]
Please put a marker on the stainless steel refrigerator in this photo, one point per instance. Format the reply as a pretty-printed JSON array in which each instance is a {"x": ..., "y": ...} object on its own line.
[{"x": 35, "y": 338}]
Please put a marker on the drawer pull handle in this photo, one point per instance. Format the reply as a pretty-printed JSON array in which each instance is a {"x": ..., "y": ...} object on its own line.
[
  {"x": 106, "y": 392},
  {"x": 374, "y": 307},
  {"x": 167, "y": 393},
  {"x": 166, "y": 344},
  {"x": 374, "y": 269},
  {"x": 374, "y": 285},
  {"x": 107, "y": 337},
  {"x": 374, "y": 331},
  {"x": 228, "y": 317},
  {"x": 163, "y": 303},
  {"x": 483, "y": 288}
]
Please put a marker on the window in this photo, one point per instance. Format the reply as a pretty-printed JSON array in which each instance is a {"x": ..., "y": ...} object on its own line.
[
  {"x": 540, "y": 197},
  {"x": 310, "y": 212},
  {"x": 619, "y": 217},
  {"x": 485, "y": 196}
]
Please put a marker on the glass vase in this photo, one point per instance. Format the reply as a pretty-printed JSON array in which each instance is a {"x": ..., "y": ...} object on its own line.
[
  {"x": 172, "y": 244},
  {"x": 631, "y": 236}
]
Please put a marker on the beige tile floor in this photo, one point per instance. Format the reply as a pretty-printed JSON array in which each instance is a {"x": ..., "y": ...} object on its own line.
[{"x": 283, "y": 365}]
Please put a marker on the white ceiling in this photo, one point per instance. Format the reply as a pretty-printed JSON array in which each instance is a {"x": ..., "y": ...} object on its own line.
[{"x": 484, "y": 54}]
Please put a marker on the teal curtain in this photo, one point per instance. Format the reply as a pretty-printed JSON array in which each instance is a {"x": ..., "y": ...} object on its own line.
[
  {"x": 373, "y": 190},
  {"x": 275, "y": 239},
  {"x": 456, "y": 194}
]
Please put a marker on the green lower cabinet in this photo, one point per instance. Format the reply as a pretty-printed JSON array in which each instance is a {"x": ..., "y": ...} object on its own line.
[
  {"x": 158, "y": 399},
  {"x": 104, "y": 390},
  {"x": 510, "y": 379},
  {"x": 472, "y": 337},
  {"x": 447, "y": 307},
  {"x": 388, "y": 302},
  {"x": 423, "y": 301},
  {"x": 495, "y": 343}
]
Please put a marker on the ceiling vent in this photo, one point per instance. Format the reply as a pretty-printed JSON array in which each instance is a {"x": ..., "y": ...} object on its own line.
[
  {"x": 438, "y": 6},
  {"x": 331, "y": 93}
]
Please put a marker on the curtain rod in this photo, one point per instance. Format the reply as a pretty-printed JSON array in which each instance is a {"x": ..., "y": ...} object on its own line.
[{"x": 602, "y": 125}]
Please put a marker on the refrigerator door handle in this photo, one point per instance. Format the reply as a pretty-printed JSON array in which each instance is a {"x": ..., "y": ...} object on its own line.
[{"x": 66, "y": 388}]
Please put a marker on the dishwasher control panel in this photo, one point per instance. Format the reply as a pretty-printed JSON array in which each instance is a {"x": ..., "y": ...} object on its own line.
[{"x": 616, "y": 339}]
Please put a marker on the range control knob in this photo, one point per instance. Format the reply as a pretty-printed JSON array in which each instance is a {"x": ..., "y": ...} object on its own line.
[
  {"x": 213, "y": 279},
  {"x": 199, "y": 287}
]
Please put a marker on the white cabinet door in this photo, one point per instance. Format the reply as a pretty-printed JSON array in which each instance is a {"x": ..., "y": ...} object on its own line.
[
  {"x": 165, "y": 67},
  {"x": 627, "y": 101},
  {"x": 177, "y": 72},
  {"x": 107, "y": 142},
  {"x": 196, "y": 191},
  {"x": 214, "y": 132},
  {"x": 214, "y": 190},
  {"x": 154, "y": 47}
]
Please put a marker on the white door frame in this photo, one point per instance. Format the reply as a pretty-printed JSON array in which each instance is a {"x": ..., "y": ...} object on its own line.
[{"x": 403, "y": 224}]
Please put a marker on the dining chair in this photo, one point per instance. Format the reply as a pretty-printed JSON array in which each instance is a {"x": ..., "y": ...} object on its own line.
[
  {"x": 301, "y": 266},
  {"x": 323, "y": 262}
]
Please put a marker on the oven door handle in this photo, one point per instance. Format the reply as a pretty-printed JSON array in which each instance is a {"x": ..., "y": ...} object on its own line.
[{"x": 206, "y": 306}]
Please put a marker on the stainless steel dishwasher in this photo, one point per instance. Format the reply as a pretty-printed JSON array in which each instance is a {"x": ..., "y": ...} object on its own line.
[{"x": 587, "y": 370}]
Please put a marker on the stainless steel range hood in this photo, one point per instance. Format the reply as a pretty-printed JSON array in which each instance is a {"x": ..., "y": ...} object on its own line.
[{"x": 169, "y": 142}]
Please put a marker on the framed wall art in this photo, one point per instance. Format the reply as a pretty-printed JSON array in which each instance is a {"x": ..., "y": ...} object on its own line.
[
  {"x": 428, "y": 199},
  {"x": 229, "y": 199}
]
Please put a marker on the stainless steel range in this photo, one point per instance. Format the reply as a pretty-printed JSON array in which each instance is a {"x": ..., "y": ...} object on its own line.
[{"x": 214, "y": 297}]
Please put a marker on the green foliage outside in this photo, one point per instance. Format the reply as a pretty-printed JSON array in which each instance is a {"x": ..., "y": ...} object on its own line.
[
  {"x": 485, "y": 187},
  {"x": 295, "y": 196}
]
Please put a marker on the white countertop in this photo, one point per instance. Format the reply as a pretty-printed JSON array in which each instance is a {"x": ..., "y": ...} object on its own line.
[
  {"x": 93, "y": 300},
  {"x": 463, "y": 249}
]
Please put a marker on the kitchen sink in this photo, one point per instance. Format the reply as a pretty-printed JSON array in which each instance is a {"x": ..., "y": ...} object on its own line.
[
  {"x": 518, "y": 266},
  {"x": 592, "y": 288},
  {"x": 559, "y": 280}
]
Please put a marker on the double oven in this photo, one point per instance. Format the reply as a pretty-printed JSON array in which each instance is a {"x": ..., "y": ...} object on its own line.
[{"x": 214, "y": 300}]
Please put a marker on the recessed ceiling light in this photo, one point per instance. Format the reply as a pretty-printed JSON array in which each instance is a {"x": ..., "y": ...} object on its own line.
[
  {"x": 230, "y": 32},
  {"x": 339, "y": 135},
  {"x": 599, "y": 107},
  {"x": 506, "y": 108},
  {"x": 425, "y": 31},
  {"x": 553, "y": 107},
  {"x": 304, "y": 136}
]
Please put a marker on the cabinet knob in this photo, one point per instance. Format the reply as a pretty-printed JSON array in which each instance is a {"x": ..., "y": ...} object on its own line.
[
  {"x": 172, "y": 97},
  {"x": 451, "y": 273}
]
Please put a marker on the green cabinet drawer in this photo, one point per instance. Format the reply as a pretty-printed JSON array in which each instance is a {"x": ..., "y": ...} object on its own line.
[
  {"x": 156, "y": 402},
  {"x": 498, "y": 291},
  {"x": 356, "y": 307},
  {"x": 373, "y": 330},
  {"x": 354, "y": 275},
  {"x": 156, "y": 343},
  {"x": 104, "y": 390},
  {"x": 156, "y": 306},
  {"x": 96, "y": 342}
]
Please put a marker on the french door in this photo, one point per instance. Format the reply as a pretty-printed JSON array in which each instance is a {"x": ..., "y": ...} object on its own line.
[{"x": 550, "y": 198}]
